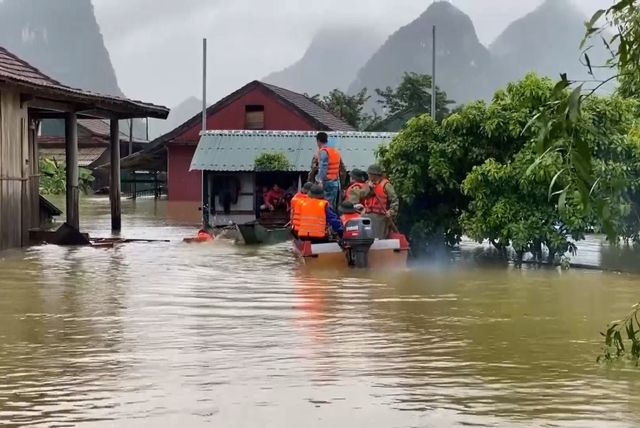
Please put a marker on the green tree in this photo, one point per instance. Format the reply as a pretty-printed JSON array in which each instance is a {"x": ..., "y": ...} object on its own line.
[
  {"x": 428, "y": 161},
  {"x": 272, "y": 162},
  {"x": 53, "y": 179},
  {"x": 350, "y": 108},
  {"x": 413, "y": 95},
  {"x": 560, "y": 126}
]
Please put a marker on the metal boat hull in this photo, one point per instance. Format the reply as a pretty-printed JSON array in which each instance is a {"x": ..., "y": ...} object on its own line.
[{"x": 256, "y": 234}]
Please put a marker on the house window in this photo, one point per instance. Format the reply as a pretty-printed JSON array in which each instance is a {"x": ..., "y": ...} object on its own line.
[{"x": 254, "y": 117}]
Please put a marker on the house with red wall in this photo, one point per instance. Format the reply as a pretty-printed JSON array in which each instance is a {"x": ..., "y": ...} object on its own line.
[{"x": 255, "y": 106}]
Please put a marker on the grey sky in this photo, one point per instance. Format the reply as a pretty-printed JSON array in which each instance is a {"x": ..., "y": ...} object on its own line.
[{"x": 155, "y": 45}]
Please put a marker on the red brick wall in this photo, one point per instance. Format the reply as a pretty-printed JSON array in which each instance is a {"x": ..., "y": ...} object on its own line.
[{"x": 186, "y": 186}]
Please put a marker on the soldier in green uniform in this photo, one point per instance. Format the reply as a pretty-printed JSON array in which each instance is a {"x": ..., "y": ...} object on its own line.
[{"x": 382, "y": 204}]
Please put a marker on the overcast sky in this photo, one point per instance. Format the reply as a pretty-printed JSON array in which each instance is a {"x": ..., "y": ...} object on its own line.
[{"x": 155, "y": 45}]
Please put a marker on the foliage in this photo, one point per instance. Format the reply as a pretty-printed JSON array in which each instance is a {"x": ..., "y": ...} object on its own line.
[
  {"x": 53, "y": 179},
  {"x": 511, "y": 208},
  {"x": 618, "y": 28},
  {"x": 622, "y": 339},
  {"x": 414, "y": 95},
  {"x": 428, "y": 161},
  {"x": 350, "y": 108},
  {"x": 561, "y": 125},
  {"x": 272, "y": 162}
]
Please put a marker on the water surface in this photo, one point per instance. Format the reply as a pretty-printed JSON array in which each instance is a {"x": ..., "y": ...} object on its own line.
[{"x": 163, "y": 334}]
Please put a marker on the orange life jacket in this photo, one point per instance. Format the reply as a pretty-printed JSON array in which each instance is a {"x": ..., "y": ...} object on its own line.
[
  {"x": 378, "y": 203},
  {"x": 344, "y": 218},
  {"x": 333, "y": 170},
  {"x": 313, "y": 218},
  {"x": 296, "y": 202},
  {"x": 354, "y": 186}
]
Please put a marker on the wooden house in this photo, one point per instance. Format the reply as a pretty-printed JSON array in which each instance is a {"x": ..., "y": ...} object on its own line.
[{"x": 27, "y": 96}]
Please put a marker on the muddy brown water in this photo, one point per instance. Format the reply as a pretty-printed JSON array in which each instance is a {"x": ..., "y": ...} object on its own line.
[{"x": 223, "y": 335}]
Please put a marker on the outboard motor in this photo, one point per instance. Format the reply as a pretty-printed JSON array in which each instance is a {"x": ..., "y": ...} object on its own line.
[{"x": 357, "y": 240}]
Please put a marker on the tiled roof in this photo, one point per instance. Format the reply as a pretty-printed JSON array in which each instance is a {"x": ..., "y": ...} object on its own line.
[
  {"x": 16, "y": 71},
  {"x": 102, "y": 128},
  {"x": 237, "y": 150},
  {"x": 311, "y": 109},
  {"x": 86, "y": 156},
  {"x": 323, "y": 120}
]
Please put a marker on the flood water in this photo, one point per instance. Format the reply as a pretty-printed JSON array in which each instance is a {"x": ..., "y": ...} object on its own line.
[{"x": 170, "y": 334}]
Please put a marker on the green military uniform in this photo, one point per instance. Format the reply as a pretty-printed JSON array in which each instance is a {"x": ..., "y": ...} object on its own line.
[{"x": 380, "y": 223}]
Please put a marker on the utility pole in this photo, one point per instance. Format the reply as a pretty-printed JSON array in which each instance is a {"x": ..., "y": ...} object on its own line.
[
  {"x": 206, "y": 188},
  {"x": 433, "y": 77},
  {"x": 204, "y": 85}
]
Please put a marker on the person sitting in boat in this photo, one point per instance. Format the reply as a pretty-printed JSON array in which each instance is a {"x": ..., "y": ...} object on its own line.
[
  {"x": 382, "y": 203},
  {"x": 316, "y": 217},
  {"x": 274, "y": 198},
  {"x": 349, "y": 212},
  {"x": 358, "y": 190},
  {"x": 297, "y": 200}
]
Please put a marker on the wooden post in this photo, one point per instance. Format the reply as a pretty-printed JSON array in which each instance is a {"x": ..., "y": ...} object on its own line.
[
  {"x": 114, "y": 188},
  {"x": 71, "y": 162},
  {"x": 206, "y": 201},
  {"x": 134, "y": 195}
]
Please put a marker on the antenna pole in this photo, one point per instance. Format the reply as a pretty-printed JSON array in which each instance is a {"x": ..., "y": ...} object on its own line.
[{"x": 433, "y": 77}]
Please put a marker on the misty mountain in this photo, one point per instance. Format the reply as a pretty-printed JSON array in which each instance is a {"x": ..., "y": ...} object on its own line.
[
  {"x": 330, "y": 62},
  {"x": 463, "y": 63},
  {"x": 546, "y": 41},
  {"x": 178, "y": 115},
  {"x": 62, "y": 38}
]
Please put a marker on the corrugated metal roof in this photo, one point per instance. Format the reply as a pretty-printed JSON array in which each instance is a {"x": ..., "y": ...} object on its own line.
[{"x": 237, "y": 150}]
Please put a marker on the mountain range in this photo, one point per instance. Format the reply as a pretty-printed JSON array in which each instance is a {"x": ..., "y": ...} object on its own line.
[
  {"x": 62, "y": 38},
  {"x": 329, "y": 62},
  {"x": 545, "y": 41}
]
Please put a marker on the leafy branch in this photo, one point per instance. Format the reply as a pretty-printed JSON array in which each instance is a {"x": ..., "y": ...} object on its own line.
[{"x": 622, "y": 339}]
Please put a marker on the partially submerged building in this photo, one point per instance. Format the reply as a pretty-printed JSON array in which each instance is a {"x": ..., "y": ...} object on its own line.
[
  {"x": 27, "y": 96},
  {"x": 256, "y": 106},
  {"x": 227, "y": 161}
]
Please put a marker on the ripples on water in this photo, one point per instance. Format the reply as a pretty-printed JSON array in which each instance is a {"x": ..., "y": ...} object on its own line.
[{"x": 222, "y": 335}]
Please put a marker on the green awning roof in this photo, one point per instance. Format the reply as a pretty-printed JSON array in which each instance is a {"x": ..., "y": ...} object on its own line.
[{"x": 237, "y": 150}]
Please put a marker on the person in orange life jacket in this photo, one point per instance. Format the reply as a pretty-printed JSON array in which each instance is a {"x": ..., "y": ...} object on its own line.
[
  {"x": 297, "y": 200},
  {"x": 328, "y": 169},
  {"x": 382, "y": 203},
  {"x": 316, "y": 216},
  {"x": 358, "y": 189},
  {"x": 348, "y": 212}
]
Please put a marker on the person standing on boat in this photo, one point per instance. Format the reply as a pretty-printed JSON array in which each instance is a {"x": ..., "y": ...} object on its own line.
[
  {"x": 316, "y": 217},
  {"x": 382, "y": 203},
  {"x": 328, "y": 169},
  {"x": 297, "y": 200},
  {"x": 358, "y": 189}
]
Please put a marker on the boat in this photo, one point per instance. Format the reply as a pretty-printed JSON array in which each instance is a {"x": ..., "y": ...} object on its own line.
[
  {"x": 255, "y": 233},
  {"x": 269, "y": 229},
  {"x": 357, "y": 249}
]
